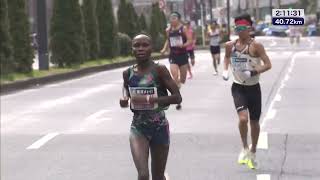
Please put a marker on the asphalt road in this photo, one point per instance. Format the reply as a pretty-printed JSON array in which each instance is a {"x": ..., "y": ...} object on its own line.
[{"x": 75, "y": 130}]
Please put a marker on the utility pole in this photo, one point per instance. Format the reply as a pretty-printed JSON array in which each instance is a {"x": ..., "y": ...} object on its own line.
[
  {"x": 279, "y": 4},
  {"x": 42, "y": 35},
  {"x": 228, "y": 19},
  {"x": 202, "y": 24},
  {"x": 210, "y": 6},
  {"x": 257, "y": 10},
  {"x": 270, "y": 4}
]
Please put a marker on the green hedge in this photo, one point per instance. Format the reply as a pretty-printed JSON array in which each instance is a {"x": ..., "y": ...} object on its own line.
[{"x": 124, "y": 44}]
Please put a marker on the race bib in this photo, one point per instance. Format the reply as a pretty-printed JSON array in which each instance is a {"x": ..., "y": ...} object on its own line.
[
  {"x": 239, "y": 64},
  {"x": 144, "y": 91},
  {"x": 176, "y": 41}
]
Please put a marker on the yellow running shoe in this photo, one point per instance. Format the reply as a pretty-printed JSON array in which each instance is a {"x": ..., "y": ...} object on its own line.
[
  {"x": 243, "y": 156},
  {"x": 252, "y": 162}
]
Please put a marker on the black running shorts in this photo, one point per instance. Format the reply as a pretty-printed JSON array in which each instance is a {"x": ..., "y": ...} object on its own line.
[
  {"x": 179, "y": 59},
  {"x": 215, "y": 49},
  {"x": 247, "y": 98}
]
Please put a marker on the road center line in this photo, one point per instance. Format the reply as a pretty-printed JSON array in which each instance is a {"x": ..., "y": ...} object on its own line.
[
  {"x": 42, "y": 141},
  {"x": 263, "y": 177}
]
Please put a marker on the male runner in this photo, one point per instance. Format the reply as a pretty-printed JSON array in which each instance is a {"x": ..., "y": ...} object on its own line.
[
  {"x": 190, "y": 48},
  {"x": 214, "y": 33},
  {"x": 246, "y": 56}
]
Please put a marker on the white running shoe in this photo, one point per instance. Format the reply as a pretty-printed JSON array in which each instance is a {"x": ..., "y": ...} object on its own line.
[
  {"x": 243, "y": 156},
  {"x": 215, "y": 73}
]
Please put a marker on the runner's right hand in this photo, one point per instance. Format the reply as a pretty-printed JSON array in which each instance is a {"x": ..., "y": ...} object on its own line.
[
  {"x": 225, "y": 75},
  {"x": 124, "y": 102}
]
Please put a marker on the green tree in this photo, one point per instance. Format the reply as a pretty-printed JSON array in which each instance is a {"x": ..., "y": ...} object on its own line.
[
  {"x": 67, "y": 34},
  {"x": 163, "y": 22},
  {"x": 143, "y": 23},
  {"x": 157, "y": 26},
  {"x": 154, "y": 26},
  {"x": 91, "y": 28},
  {"x": 127, "y": 19},
  {"x": 123, "y": 17},
  {"x": 133, "y": 21},
  {"x": 6, "y": 60},
  {"x": 107, "y": 28},
  {"x": 19, "y": 28}
]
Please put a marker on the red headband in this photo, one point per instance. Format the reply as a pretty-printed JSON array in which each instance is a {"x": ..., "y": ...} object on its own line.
[{"x": 243, "y": 22}]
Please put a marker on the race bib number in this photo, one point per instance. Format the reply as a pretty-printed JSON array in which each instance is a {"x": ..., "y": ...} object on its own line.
[
  {"x": 176, "y": 41},
  {"x": 239, "y": 64},
  {"x": 143, "y": 91}
]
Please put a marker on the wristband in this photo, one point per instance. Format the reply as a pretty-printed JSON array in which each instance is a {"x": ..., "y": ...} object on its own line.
[{"x": 253, "y": 73}]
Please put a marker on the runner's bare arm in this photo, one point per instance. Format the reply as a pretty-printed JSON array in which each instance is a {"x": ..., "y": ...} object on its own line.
[
  {"x": 260, "y": 51},
  {"x": 165, "y": 46},
  {"x": 124, "y": 100},
  {"x": 194, "y": 38},
  {"x": 189, "y": 38},
  {"x": 165, "y": 78},
  {"x": 226, "y": 62}
]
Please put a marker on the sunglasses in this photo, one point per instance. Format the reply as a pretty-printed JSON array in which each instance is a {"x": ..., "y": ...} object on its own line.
[{"x": 241, "y": 28}]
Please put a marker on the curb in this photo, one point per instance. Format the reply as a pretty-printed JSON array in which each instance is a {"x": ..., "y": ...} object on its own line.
[{"x": 29, "y": 83}]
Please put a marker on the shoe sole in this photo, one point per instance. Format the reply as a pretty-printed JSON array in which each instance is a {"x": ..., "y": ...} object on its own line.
[{"x": 251, "y": 167}]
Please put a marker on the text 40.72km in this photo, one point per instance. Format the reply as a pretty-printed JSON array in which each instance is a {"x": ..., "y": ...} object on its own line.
[{"x": 287, "y": 21}]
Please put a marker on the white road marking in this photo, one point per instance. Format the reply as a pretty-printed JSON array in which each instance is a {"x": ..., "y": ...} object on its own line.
[
  {"x": 310, "y": 42},
  {"x": 92, "y": 121},
  {"x": 263, "y": 177},
  {"x": 263, "y": 141},
  {"x": 274, "y": 43},
  {"x": 97, "y": 114},
  {"x": 287, "y": 77},
  {"x": 60, "y": 101},
  {"x": 42, "y": 141},
  {"x": 278, "y": 97},
  {"x": 282, "y": 85},
  {"x": 271, "y": 113},
  {"x": 70, "y": 99}
]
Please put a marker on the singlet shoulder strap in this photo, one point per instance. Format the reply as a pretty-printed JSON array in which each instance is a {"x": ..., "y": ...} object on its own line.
[
  {"x": 249, "y": 44},
  {"x": 234, "y": 45}
]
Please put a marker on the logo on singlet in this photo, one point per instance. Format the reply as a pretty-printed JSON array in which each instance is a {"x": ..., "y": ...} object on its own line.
[{"x": 239, "y": 64}]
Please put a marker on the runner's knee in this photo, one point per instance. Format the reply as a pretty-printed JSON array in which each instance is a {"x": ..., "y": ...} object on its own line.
[
  {"x": 243, "y": 119},
  {"x": 143, "y": 175}
]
